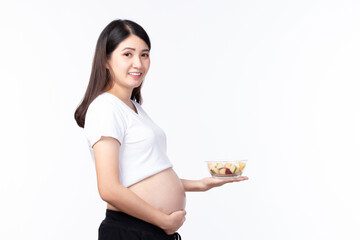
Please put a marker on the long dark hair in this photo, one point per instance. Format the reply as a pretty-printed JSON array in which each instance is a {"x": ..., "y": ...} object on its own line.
[{"x": 100, "y": 81}]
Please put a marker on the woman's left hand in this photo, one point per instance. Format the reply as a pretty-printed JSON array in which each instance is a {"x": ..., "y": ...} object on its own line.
[{"x": 210, "y": 182}]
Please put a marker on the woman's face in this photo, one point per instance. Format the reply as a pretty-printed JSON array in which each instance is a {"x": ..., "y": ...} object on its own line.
[{"x": 129, "y": 62}]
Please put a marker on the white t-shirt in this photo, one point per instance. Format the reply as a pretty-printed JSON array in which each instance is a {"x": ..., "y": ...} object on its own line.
[{"x": 143, "y": 143}]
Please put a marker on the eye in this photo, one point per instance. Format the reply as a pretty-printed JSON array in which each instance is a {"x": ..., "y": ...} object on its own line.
[
  {"x": 127, "y": 54},
  {"x": 145, "y": 55}
]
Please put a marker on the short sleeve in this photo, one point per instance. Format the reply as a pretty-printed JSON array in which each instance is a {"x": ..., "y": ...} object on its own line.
[{"x": 104, "y": 119}]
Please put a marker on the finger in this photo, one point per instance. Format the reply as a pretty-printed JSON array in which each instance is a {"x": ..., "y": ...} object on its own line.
[
  {"x": 233, "y": 179},
  {"x": 241, "y": 178},
  {"x": 238, "y": 179}
]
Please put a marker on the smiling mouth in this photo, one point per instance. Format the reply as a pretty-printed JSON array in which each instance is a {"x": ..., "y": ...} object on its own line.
[{"x": 135, "y": 74}]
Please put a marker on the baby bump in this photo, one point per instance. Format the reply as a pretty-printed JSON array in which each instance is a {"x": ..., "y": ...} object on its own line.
[{"x": 163, "y": 191}]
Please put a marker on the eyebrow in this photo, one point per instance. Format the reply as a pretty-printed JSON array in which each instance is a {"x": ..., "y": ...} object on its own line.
[{"x": 144, "y": 50}]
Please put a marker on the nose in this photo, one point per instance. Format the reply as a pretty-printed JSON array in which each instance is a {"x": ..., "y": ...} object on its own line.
[{"x": 137, "y": 62}]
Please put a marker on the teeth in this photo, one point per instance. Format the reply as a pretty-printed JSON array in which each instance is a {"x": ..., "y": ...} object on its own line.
[{"x": 136, "y": 74}]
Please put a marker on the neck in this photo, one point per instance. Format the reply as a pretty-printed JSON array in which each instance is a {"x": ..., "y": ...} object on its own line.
[{"x": 123, "y": 94}]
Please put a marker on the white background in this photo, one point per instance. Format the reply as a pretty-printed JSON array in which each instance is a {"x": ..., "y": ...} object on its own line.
[{"x": 276, "y": 82}]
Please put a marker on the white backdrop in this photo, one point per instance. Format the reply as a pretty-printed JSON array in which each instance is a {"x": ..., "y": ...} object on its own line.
[{"x": 276, "y": 82}]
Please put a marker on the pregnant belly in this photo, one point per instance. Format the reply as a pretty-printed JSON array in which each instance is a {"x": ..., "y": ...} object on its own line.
[{"x": 163, "y": 191}]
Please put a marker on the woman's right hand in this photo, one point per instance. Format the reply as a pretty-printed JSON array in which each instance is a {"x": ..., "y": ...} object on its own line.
[{"x": 174, "y": 221}]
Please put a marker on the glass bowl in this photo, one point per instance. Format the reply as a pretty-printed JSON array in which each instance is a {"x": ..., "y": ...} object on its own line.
[{"x": 226, "y": 169}]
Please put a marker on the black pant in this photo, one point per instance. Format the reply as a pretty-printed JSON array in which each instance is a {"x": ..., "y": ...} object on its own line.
[{"x": 120, "y": 226}]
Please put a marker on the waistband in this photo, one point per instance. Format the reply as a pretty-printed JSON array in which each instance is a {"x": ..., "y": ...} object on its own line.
[{"x": 128, "y": 221}]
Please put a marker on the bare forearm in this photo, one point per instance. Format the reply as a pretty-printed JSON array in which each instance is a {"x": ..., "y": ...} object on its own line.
[
  {"x": 128, "y": 202},
  {"x": 192, "y": 185}
]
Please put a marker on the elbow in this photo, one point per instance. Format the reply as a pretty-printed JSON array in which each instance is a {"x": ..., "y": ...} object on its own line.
[
  {"x": 106, "y": 193},
  {"x": 105, "y": 196}
]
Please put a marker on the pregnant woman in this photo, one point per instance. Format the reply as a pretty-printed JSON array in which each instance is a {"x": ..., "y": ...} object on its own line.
[{"x": 145, "y": 197}]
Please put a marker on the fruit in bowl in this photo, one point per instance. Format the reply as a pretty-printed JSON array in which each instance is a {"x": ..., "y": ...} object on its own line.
[{"x": 226, "y": 168}]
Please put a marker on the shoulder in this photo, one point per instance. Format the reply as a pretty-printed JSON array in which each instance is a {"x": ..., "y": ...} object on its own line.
[
  {"x": 103, "y": 108},
  {"x": 104, "y": 118},
  {"x": 103, "y": 104},
  {"x": 103, "y": 100}
]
